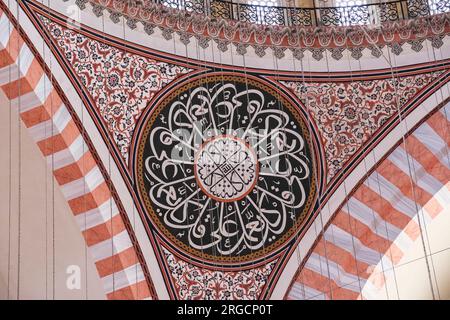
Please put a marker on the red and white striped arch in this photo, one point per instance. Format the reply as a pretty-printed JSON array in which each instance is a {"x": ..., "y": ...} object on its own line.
[
  {"x": 373, "y": 229},
  {"x": 345, "y": 272},
  {"x": 68, "y": 150}
]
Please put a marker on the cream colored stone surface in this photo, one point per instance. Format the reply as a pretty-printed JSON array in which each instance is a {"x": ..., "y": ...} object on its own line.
[{"x": 48, "y": 246}]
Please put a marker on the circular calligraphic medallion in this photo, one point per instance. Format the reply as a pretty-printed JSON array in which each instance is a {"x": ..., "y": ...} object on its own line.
[{"x": 224, "y": 168}]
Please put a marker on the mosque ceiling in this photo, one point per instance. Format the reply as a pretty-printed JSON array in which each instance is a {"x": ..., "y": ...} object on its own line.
[{"x": 370, "y": 232}]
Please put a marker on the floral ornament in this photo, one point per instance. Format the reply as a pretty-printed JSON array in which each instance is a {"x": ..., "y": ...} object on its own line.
[{"x": 225, "y": 170}]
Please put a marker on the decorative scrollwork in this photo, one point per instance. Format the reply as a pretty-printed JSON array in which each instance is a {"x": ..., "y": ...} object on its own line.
[
  {"x": 300, "y": 17},
  {"x": 356, "y": 15},
  {"x": 224, "y": 168},
  {"x": 388, "y": 12},
  {"x": 273, "y": 16},
  {"x": 220, "y": 9},
  {"x": 326, "y": 16},
  {"x": 248, "y": 13},
  {"x": 176, "y": 4},
  {"x": 439, "y": 6}
]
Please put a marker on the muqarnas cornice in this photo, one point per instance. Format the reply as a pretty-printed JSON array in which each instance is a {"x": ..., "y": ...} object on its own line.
[{"x": 298, "y": 39}]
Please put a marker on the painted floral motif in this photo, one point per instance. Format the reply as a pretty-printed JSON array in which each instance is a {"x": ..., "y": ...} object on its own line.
[
  {"x": 194, "y": 283},
  {"x": 349, "y": 113},
  {"x": 120, "y": 84}
]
